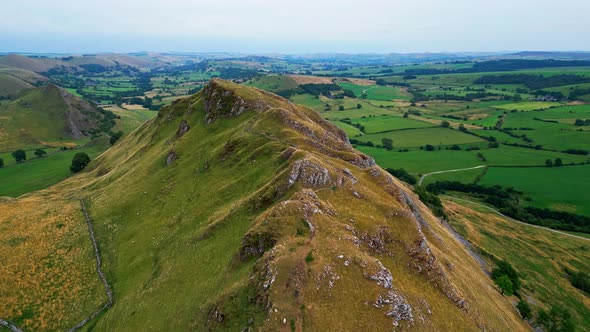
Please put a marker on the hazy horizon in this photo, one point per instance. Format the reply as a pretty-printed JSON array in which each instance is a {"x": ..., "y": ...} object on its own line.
[{"x": 321, "y": 26}]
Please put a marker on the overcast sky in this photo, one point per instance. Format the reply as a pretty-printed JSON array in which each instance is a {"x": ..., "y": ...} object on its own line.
[{"x": 262, "y": 26}]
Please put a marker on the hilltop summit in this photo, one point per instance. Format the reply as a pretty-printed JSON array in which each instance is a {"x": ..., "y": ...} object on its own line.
[{"x": 236, "y": 209}]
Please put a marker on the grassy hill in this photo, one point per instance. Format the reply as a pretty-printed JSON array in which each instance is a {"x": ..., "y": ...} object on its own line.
[
  {"x": 14, "y": 80},
  {"x": 235, "y": 208},
  {"x": 49, "y": 116}
]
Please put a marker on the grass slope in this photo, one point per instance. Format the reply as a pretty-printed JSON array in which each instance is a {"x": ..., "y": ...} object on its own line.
[{"x": 538, "y": 255}]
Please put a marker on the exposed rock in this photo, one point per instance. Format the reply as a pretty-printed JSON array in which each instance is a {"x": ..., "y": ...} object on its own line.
[
  {"x": 378, "y": 240},
  {"x": 215, "y": 315},
  {"x": 364, "y": 161},
  {"x": 183, "y": 127},
  {"x": 255, "y": 245},
  {"x": 327, "y": 278},
  {"x": 383, "y": 277},
  {"x": 351, "y": 176},
  {"x": 308, "y": 173},
  {"x": 399, "y": 308},
  {"x": 171, "y": 158},
  {"x": 220, "y": 102}
]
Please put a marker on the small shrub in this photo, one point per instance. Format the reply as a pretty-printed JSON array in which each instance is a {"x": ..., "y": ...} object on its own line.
[
  {"x": 309, "y": 258},
  {"x": 524, "y": 309}
]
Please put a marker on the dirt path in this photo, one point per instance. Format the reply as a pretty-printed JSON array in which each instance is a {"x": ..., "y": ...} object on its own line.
[
  {"x": 448, "y": 171},
  {"x": 107, "y": 287},
  {"x": 517, "y": 221}
]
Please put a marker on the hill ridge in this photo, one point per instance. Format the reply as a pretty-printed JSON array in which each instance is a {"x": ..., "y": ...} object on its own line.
[{"x": 235, "y": 209}]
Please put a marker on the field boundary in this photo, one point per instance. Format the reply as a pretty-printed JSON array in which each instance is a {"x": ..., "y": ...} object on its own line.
[
  {"x": 448, "y": 171},
  {"x": 518, "y": 221},
  {"x": 101, "y": 275},
  {"x": 9, "y": 325}
]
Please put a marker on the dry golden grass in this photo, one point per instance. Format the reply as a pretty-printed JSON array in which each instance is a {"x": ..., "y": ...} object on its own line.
[
  {"x": 133, "y": 107},
  {"x": 48, "y": 280}
]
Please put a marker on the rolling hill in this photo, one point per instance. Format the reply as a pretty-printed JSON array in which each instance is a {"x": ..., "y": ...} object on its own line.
[
  {"x": 36, "y": 64},
  {"x": 236, "y": 209},
  {"x": 49, "y": 116},
  {"x": 14, "y": 80}
]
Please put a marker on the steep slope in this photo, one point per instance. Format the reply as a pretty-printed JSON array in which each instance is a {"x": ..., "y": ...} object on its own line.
[
  {"x": 235, "y": 208},
  {"x": 48, "y": 115}
]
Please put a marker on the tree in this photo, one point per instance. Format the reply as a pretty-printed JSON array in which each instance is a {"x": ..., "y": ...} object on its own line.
[
  {"x": 341, "y": 108},
  {"x": 462, "y": 128},
  {"x": 19, "y": 155},
  {"x": 387, "y": 143},
  {"x": 524, "y": 309},
  {"x": 557, "y": 319},
  {"x": 505, "y": 285},
  {"x": 79, "y": 162},
  {"x": 359, "y": 106},
  {"x": 558, "y": 162},
  {"x": 445, "y": 124},
  {"x": 493, "y": 145},
  {"x": 429, "y": 147},
  {"x": 517, "y": 97},
  {"x": 115, "y": 137},
  {"x": 549, "y": 163},
  {"x": 505, "y": 268},
  {"x": 402, "y": 174},
  {"x": 579, "y": 122},
  {"x": 455, "y": 147},
  {"x": 40, "y": 153},
  {"x": 1, "y": 162}
]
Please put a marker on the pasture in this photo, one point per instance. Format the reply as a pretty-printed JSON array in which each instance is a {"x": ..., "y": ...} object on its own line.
[
  {"x": 560, "y": 188},
  {"x": 412, "y": 138}
]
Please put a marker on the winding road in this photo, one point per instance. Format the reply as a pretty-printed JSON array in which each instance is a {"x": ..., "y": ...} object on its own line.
[{"x": 448, "y": 171}]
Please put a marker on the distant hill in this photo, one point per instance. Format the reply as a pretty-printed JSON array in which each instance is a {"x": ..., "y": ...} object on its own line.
[
  {"x": 80, "y": 63},
  {"x": 49, "y": 115},
  {"x": 549, "y": 55},
  {"x": 235, "y": 210},
  {"x": 35, "y": 64},
  {"x": 13, "y": 80}
]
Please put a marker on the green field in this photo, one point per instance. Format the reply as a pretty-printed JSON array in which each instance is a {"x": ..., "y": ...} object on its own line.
[
  {"x": 419, "y": 137},
  {"x": 131, "y": 119},
  {"x": 376, "y": 92},
  {"x": 527, "y": 106},
  {"x": 274, "y": 83},
  {"x": 419, "y": 161},
  {"x": 559, "y": 188},
  {"x": 377, "y": 124},
  {"x": 40, "y": 173}
]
